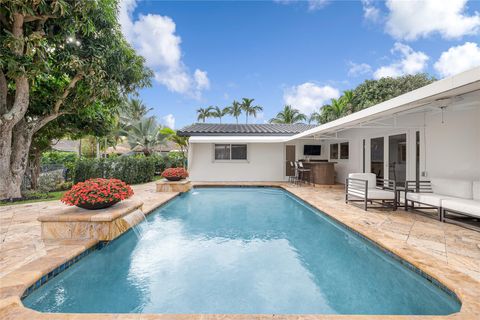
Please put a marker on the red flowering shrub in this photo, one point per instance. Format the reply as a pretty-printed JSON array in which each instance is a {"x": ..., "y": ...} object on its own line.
[
  {"x": 97, "y": 192},
  {"x": 175, "y": 173}
]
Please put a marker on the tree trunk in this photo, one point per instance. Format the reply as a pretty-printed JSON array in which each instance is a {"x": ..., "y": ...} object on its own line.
[{"x": 34, "y": 167}]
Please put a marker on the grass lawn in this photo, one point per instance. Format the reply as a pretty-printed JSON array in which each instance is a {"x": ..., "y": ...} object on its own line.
[{"x": 55, "y": 195}]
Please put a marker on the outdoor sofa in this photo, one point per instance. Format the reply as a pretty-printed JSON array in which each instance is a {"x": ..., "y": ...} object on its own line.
[
  {"x": 366, "y": 188},
  {"x": 446, "y": 196}
]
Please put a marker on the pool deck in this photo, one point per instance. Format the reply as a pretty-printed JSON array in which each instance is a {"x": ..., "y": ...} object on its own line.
[{"x": 448, "y": 253}]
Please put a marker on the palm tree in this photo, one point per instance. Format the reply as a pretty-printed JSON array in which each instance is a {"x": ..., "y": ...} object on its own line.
[
  {"x": 219, "y": 113},
  {"x": 348, "y": 101},
  {"x": 249, "y": 109},
  {"x": 289, "y": 115},
  {"x": 204, "y": 113},
  {"x": 338, "y": 107},
  {"x": 235, "y": 109},
  {"x": 131, "y": 111},
  {"x": 316, "y": 117},
  {"x": 182, "y": 142},
  {"x": 145, "y": 134}
]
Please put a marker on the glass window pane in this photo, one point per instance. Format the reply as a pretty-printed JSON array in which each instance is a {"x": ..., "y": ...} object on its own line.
[
  {"x": 239, "y": 152},
  {"x": 344, "y": 150},
  {"x": 222, "y": 152},
  {"x": 334, "y": 151}
]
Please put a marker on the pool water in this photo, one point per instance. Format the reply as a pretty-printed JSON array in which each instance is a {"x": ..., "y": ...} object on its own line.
[{"x": 240, "y": 250}]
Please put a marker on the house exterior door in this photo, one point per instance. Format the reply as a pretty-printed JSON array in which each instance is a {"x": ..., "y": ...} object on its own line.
[{"x": 289, "y": 156}]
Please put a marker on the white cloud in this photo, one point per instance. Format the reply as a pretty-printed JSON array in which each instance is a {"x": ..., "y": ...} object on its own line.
[
  {"x": 153, "y": 36},
  {"x": 370, "y": 12},
  {"x": 308, "y": 97},
  {"x": 312, "y": 4},
  {"x": 201, "y": 79},
  {"x": 458, "y": 59},
  {"x": 410, "y": 62},
  {"x": 169, "y": 121},
  {"x": 410, "y": 20},
  {"x": 358, "y": 69},
  {"x": 316, "y": 4}
]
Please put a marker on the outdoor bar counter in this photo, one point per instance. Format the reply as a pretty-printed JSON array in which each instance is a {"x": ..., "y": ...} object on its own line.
[{"x": 322, "y": 172}]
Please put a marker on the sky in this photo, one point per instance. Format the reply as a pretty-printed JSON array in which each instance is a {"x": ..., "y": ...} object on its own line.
[{"x": 302, "y": 53}]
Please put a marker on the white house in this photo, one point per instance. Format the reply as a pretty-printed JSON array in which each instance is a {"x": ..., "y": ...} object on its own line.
[{"x": 430, "y": 132}]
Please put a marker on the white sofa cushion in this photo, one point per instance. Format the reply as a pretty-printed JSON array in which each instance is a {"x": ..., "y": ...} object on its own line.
[
  {"x": 370, "y": 177},
  {"x": 380, "y": 194},
  {"x": 452, "y": 187},
  {"x": 427, "y": 198},
  {"x": 476, "y": 190},
  {"x": 471, "y": 207}
]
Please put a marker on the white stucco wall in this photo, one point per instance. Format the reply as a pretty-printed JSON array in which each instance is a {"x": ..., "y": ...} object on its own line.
[{"x": 265, "y": 163}]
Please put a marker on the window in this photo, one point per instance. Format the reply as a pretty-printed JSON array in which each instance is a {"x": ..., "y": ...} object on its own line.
[
  {"x": 344, "y": 150},
  {"x": 334, "y": 151},
  {"x": 230, "y": 152}
]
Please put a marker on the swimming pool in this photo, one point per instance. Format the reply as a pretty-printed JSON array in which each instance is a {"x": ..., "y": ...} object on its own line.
[{"x": 240, "y": 250}]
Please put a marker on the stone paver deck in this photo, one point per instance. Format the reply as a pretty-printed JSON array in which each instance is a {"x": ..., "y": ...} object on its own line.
[{"x": 449, "y": 253}]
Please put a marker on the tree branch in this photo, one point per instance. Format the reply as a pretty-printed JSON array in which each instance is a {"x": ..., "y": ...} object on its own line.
[
  {"x": 20, "y": 106},
  {"x": 29, "y": 18},
  {"x": 4, "y": 20},
  {"x": 43, "y": 121},
  {"x": 17, "y": 31},
  {"x": 71, "y": 85},
  {"x": 3, "y": 93}
]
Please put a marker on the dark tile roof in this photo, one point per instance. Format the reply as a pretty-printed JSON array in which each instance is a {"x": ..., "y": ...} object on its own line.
[{"x": 270, "y": 129}]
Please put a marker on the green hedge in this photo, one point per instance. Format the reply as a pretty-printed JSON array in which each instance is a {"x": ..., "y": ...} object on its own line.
[{"x": 132, "y": 170}]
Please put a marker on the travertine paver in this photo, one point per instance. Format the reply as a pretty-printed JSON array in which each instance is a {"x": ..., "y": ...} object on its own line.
[{"x": 450, "y": 251}]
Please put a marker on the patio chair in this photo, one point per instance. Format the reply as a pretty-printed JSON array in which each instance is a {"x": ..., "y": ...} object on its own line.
[{"x": 366, "y": 188}]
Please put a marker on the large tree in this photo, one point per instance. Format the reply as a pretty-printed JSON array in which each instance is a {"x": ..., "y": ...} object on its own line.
[{"x": 72, "y": 51}]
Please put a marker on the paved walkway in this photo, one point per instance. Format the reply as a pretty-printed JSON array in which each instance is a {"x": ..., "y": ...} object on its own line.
[{"x": 443, "y": 247}]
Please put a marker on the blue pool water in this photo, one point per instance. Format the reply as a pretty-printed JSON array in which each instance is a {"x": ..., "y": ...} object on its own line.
[{"x": 240, "y": 250}]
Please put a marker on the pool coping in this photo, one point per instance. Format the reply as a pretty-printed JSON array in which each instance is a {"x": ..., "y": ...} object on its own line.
[{"x": 15, "y": 284}]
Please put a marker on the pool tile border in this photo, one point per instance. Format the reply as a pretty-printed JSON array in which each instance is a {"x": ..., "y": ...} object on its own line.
[{"x": 64, "y": 266}]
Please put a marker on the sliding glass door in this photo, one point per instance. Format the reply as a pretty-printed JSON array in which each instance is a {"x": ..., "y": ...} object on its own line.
[
  {"x": 377, "y": 157},
  {"x": 397, "y": 158}
]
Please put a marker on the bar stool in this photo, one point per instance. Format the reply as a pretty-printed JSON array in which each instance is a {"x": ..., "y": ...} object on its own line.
[
  {"x": 304, "y": 171},
  {"x": 291, "y": 178}
]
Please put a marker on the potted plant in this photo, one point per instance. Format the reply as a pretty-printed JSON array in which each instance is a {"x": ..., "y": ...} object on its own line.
[
  {"x": 175, "y": 174},
  {"x": 97, "y": 193}
]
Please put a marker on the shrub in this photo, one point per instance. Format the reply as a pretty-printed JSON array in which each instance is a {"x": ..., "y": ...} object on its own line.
[
  {"x": 48, "y": 181},
  {"x": 97, "y": 192},
  {"x": 132, "y": 169},
  {"x": 67, "y": 159},
  {"x": 64, "y": 186},
  {"x": 175, "y": 173}
]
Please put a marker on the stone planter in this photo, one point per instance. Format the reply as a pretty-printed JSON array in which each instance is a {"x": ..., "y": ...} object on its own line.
[
  {"x": 103, "y": 225},
  {"x": 173, "y": 186}
]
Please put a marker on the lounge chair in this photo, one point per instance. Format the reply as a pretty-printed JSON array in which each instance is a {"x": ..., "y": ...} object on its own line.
[
  {"x": 366, "y": 188},
  {"x": 461, "y": 197}
]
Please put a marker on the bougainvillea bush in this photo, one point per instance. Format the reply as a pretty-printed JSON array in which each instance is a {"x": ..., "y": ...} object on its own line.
[
  {"x": 97, "y": 193},
  {"x": 175, "y": 173}
]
